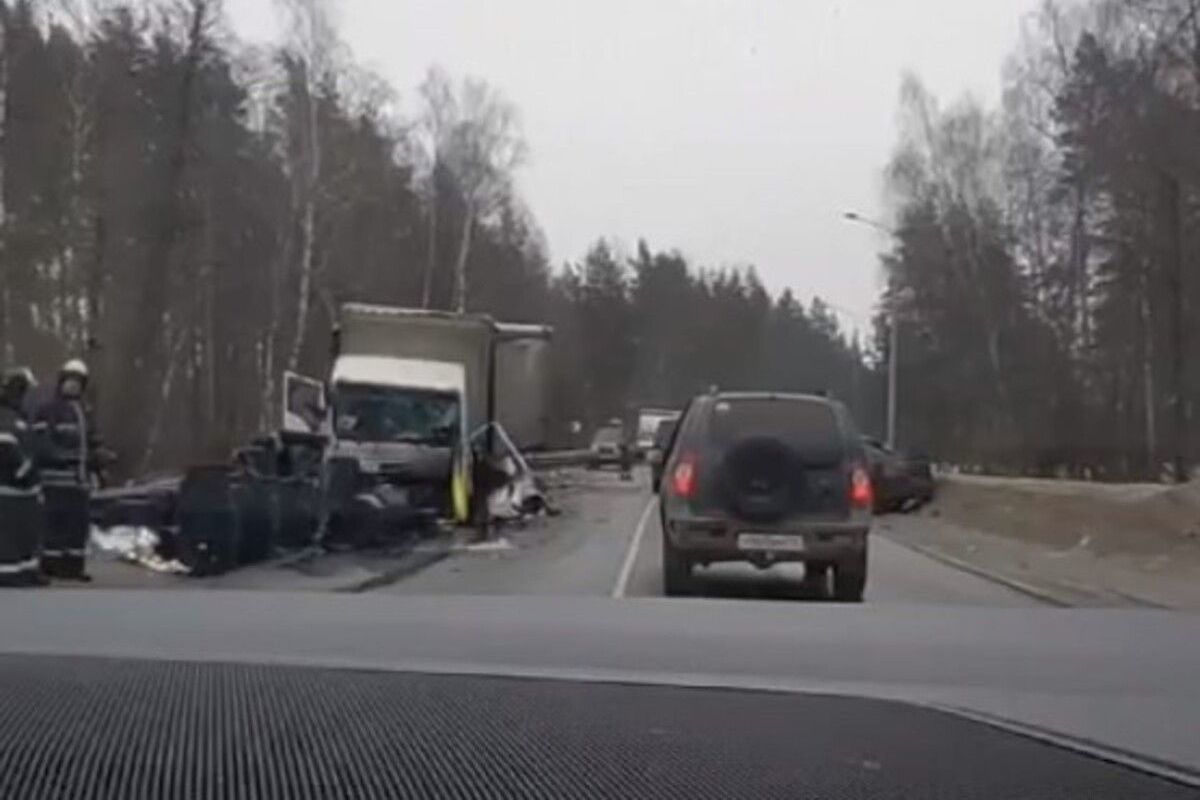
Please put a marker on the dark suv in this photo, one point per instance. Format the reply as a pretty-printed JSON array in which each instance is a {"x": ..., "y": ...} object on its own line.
[{"x": 767, "y": 478}]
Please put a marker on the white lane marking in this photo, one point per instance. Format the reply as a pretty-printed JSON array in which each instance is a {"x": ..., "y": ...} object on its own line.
[{"x": 635, "y": 544}]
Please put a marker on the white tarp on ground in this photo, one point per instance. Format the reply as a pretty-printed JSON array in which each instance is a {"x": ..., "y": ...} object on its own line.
[{"x": 135, "y": 545}]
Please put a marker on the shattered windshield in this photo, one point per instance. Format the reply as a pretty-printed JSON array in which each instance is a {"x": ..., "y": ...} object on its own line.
[{"x": 381, "y": 414}]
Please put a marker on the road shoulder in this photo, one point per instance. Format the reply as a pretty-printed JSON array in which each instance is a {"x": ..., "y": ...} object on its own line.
[{"x": 1072, "y": 576}]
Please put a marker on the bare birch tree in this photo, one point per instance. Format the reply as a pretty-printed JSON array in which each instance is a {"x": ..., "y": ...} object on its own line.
[
  {"x": 311, "y": 47},
  {"x": 437, "y": 119},
  {"x": 475, "y": 133},
  {"x": 198, "y": 19}
]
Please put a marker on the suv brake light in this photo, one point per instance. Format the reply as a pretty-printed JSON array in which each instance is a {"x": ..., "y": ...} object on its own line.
[
  {"x": 861, "y": 493},
  {"x": 683, "y": 479}
]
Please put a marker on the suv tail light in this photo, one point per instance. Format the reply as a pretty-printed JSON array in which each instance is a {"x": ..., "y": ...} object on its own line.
[
  {"x": 683, "y": 478},
  {"x": 861, "y": 493}
]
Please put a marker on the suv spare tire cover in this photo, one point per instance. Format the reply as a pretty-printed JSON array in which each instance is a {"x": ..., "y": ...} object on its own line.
[{"x": 761, "y": 477}]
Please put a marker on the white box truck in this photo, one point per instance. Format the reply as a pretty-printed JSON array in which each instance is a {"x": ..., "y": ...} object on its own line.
[{"x": 411, "y": 394}]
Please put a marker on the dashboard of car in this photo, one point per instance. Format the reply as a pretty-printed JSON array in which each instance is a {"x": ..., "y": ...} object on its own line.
[{"x": 189, "y": 693}]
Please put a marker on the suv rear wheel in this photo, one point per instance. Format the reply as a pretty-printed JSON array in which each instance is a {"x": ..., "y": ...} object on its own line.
[
  {"x": 816, "y": 578},
  {"x": 850, "y": 579},
  {"x": 676, "y": 569}
]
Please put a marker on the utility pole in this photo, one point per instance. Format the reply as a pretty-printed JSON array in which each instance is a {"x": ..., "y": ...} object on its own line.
[
  {"x": 1174, "y": 268},
  {"x": 893, "y": 358}
]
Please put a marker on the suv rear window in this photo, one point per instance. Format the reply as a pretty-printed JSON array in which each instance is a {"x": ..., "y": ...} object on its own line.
[{"x": 809, "y": 426}]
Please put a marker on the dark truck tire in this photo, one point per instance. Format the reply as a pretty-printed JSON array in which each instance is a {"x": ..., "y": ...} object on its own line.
[
  {"x": 850, "y": 579},
  {"x": 209, "y": 524},
  {"x": 676, "y": 569}
]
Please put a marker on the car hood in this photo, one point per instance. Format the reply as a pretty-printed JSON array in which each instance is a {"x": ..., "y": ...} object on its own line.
[{"x": 1120, "y": 683}]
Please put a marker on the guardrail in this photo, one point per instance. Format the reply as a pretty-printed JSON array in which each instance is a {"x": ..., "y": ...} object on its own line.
[
  {"x": 137, "y": 489},
  {"x": 557, "y": 459}
]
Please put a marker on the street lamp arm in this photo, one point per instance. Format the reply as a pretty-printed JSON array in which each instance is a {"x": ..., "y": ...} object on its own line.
[{"x": 854, "y": 216}]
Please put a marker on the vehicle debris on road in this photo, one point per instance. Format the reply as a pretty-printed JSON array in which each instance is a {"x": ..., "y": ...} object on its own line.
[{"x": 422, "y": 423}]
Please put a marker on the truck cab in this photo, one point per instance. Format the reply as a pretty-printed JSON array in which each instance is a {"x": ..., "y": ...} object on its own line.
[
  {"x": 402, "y": 420},
  {"x": 382, "y": 400}
]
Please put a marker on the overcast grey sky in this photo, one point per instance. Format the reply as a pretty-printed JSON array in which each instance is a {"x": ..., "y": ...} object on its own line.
[{"x": 735, "y": 130}]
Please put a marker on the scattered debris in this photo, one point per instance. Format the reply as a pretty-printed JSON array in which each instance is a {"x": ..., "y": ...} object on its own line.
[
  {"x": 520, "y": 495},
  {"x": 498, "y": 545}
]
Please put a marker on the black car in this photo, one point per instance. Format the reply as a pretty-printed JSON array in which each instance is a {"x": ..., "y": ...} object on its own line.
[
  {"x": 767, "y": 478},
  {"x": 658, "y": 450},
  {"x": 901, "y": 480}
]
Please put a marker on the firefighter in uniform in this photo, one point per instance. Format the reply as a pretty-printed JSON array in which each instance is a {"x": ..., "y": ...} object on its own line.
[
  {"x": 22, "y": 519},
  {"x": 64, "y": 442}
]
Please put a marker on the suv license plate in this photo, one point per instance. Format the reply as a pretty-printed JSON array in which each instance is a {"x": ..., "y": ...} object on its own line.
[{"x": 771, "y": 541}]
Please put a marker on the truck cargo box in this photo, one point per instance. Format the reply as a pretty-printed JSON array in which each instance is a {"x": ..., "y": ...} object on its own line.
[{"x": 523, "y": 385}]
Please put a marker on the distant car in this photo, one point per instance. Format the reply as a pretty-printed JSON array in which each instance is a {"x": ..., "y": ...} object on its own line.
[
  {"x": 657, "y": 454},
  {"x": 647, "y": 425},
  {"x": 608, "y": 448},
  {"x": 765, "y": 479},
  {"x": 901, "y": 480}
]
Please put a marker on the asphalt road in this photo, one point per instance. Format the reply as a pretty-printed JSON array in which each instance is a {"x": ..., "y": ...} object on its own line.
[
  {"x": 1119, "y": 683},
  {"x": 608, "y": 543}
]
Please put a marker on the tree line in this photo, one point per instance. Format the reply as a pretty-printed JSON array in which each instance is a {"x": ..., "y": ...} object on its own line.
[
  {"x": 187, "y": 212},
  {"x": 1043, "y": 269}
]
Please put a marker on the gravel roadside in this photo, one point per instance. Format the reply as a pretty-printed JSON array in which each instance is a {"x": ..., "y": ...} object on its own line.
[{"x": 1074, "y": 575}]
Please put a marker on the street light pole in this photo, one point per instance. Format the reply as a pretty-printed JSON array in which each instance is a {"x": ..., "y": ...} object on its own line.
[
  {"x": 893, "y": 335},
  {"x": 893, "y": 358}
]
